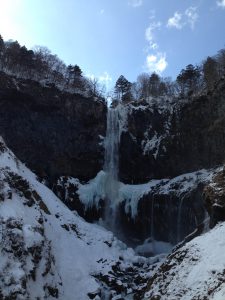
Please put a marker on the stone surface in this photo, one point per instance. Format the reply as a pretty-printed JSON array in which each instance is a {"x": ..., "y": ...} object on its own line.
[
  {"x": 169, "y": 210},
  {"x": 186, "y": 136},
  {"x": 214, "y": 195},
  {"x": 54, "y": 133}
]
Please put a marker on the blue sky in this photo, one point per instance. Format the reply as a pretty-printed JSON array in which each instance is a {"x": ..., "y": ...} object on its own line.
[{"x": 107, "y": 38}]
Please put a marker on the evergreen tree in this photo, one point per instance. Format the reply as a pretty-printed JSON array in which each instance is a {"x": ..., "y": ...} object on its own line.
[
  {"x": 188, "y": 79},
  {"x": 74, "y": 77},
  {"x": 122, "y": 88},
  {"x": 221, "y": 62},
  {"x": 154, "y": 83},
  {"x": 210, "y": 72}
]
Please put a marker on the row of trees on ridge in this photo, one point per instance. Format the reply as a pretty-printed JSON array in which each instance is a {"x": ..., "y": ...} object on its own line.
[
  {"x": 191, "y": 80},
  {"x": 40, "y": 64}
]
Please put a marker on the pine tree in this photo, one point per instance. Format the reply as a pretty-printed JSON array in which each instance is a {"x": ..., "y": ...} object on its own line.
[
  {"x": 188, "y": 79},
  {"x": 122, "y": 88},
  {"x": 210, "y": 72},
  {"x": 154, "y": 83}
]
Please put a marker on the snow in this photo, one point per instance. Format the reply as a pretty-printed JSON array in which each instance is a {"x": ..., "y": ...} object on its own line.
[
  {"x": 91, "y": 193},
  {"x": 149, "y": 145},
  {"x": 76, "y": 250},
  {"x": 154, "y": 247},
  {"x": 198, "y": 267},
  {"x": 131, "y": 194}
]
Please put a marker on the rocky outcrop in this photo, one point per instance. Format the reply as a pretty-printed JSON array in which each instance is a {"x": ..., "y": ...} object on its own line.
[
  {"x": 192, "y": 271},
  {"x": 166, "y": 217},
  {"x": 165, "y": 139},
  {"x": 214, "y": 195},
  {"x": 48, "y": 252},
  {"x": 53, "y": 132},
  {"x": 165, "y": 210}
]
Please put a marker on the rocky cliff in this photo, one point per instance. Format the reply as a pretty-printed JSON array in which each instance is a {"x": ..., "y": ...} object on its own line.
[
  {"x": 168, "y": 138},
  {"x": 48, "y": 252},
  {"x": 63, "y": 141},
  {"x": 160, "y": 138},
  {"x": 53, "y": 132},
  {"x": 164, "y": 210}
]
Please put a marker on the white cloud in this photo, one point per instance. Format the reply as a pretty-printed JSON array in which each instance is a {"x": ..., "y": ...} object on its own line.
[
  {"x": 135, "y": 3},
  {"x": 155, "y": 59},
  {"x": 152, "y": 14},
  {"x": 179, "y": 20},
  {"x": 149, "y": 34},
  {"x": 102, "y": 11},
  {"x": 221, "y": 3},
  {"x": 192, "y": 15},
  {"x": 156, "y": 62},
  {"x": 105, "y": 78},
  {"x": 175, "y": 21}
]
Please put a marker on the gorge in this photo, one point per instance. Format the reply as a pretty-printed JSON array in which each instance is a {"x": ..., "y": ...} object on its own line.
[{"x": 135, "y": 169}]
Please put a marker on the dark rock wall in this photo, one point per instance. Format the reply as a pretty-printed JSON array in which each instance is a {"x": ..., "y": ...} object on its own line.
[
  {"x": 191, "y": 136},
  {"x": 54, "y": 133},
  {"x": 169, "y": 215},
  {"x": 164, "y": 216},
  {"x": 214, "y": 195}
]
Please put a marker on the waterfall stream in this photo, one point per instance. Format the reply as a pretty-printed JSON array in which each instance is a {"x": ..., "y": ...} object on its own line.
[
  {"x": 111, "y": 166},
  {"x": 179, "y": 220},
  {"x": 152, "y": 224}
]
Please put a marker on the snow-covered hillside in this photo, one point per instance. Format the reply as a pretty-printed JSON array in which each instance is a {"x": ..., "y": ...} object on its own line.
[
  {"x": 194, "y": 271},
  {"x": 47, "y": 252}
]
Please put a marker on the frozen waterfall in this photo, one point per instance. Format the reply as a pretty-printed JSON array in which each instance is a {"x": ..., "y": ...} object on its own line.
[{"x": 111, "y": 166}]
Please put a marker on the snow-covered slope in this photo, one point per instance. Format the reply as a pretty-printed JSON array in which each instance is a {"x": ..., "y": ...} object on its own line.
[
  {"x": 194, "y": 271},
  {"x": 48, "y": 252}
]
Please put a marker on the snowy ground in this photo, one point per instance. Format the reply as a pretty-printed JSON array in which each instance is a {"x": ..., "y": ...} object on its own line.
[
  {"x": 47, "y": 251},
  {"x": 195, "y": 271}
]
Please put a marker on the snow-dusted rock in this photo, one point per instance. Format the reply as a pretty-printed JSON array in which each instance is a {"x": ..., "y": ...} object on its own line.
[
  {"x": 48, "y": 252},
  {"x": 193, "y": 271}
]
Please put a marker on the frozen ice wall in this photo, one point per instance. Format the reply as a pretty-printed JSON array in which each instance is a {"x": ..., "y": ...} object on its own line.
[{"x": 111, "y": 166}]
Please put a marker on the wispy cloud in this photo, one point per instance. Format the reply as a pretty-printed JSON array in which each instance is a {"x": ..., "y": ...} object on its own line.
[
  {"x": 192, "y": 15},
  {"x": 175, "y": 21},
  {"x": 150, "y": 35},
  {"x": 105, "y": 78},
  {"x": 156, "y": 62},
  {"x": 221, "y": 3},
  {"x": 155, "y": 58},
  {"x": 135, "y": 3},
  {"x": 189, "y": 17},
  {"x": 102, "y": 11}
]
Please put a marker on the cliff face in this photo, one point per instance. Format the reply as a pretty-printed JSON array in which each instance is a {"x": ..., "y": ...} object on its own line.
[
  {"x": 54, "y": 133},
  {"x": 60, "y": 137},
  {"x": 62, "y": 133},
  {"x": 48, "y": 252},
  {"x": 167, "y": 140},
  {"x": 165, "y": 210}
]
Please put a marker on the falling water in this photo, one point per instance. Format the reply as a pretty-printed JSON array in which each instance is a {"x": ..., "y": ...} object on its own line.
[
  {"x": 179, "y": 220},
  {"x": 152, "y": 224},
  {"x": 111, "y": 166},
  {"x": 206, "y": 222}
]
